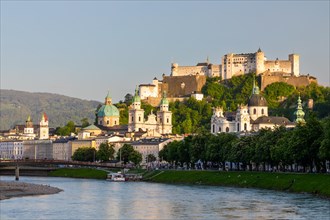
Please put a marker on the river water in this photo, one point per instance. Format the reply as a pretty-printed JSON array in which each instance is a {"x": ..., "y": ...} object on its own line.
[{"x": 100, "y": 199}]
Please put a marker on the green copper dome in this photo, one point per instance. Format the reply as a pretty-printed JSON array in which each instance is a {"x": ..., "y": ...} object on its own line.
[
  {"x": 164, "y": 100},
  {"x": 108, "y": 110}
]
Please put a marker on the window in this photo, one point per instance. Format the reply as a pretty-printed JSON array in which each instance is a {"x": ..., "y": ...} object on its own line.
[
  {"x": 167, "y": 120},
  {"x": 139, "y": 118},
  {"x": 237, "y": 126},
  {"x": 245, "y": 126},
  {"x": 227, "y": 129},
  {"x": 108, "y": 122},
  {"x": 262, "y": 111},
  {"x": 219, "y": 129},
  {"x": 254, "y": 111},
  {"x": 213, "y": 128},
  {"x": 132, "y": 119}
]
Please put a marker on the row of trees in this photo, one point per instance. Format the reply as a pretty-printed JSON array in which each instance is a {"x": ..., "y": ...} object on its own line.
[
  {"x": 106, "y": 153},
  {"x": 307, "y": 146}
]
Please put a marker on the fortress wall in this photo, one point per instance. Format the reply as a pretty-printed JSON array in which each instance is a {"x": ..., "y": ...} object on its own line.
[
  {"x": 189, "y": 70},
  {"x": 292, "y": 80},
  {"x": 191, "y": 84}
]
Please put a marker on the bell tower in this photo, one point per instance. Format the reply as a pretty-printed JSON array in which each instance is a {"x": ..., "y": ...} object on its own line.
[
  {"x": 135, "y": 114},
  {"x": 164, "y": 116},
  {"x": 44, "y": 129}
]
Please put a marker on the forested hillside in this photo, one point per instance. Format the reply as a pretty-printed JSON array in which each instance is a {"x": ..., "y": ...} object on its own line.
[{"x": 16, "y": 106}]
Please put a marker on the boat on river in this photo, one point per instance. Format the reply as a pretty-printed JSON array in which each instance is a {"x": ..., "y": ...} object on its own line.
[{"x": 116, "y": 177}]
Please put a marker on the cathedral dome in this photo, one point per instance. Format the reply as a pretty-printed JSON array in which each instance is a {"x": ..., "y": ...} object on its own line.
[
  {"x": 108, "y": 110},
  {"x": 257, "y": 100}
]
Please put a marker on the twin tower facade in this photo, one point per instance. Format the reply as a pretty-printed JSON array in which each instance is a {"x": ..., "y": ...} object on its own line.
[{"x": 160, "y": 123}]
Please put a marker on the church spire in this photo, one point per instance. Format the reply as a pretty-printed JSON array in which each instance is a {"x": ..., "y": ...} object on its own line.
[
  {"x": 136, "y": 97},
  {"x": 255, "y": 89},
  {"x": 108, "y": 99},
  {"x": 299, "y": 113}
]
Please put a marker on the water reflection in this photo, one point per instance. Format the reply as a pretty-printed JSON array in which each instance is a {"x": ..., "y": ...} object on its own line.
[{"x": 94, "y": 199}]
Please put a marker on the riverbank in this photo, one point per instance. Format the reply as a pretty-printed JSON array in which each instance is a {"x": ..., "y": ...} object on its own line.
[
  {"x": 87, "y": 173},
  {"x": 317, "y": 184},
  {"x": 9, "y": 189}
]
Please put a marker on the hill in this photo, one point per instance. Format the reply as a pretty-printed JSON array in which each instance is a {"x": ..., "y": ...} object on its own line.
[{"x": 16, "y": 106}]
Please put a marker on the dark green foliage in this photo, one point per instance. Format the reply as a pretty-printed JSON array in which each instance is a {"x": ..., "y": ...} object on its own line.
[
  {"x": 275, "y": 91},
  {"x": 306, "y": 146},
  {"x": 105, "y": 152},
  {"x": 84, "y": 122},
  {"x": 66, "y": 130},
  {"x": 127, "y": 153},
  {"x": 86, "y": 154},
  {"x": 151, "y": 158},
  {"x": 16, "y": 106}
]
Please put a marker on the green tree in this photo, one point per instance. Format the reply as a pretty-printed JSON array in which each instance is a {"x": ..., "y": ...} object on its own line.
[
  {"x": 86, "y": 154},
  {"x": 151, "y": 158},
  {"x": 135, "y": 157},
  {"x": 84, "y": 122},
  {"x": 105, "y": 152}
]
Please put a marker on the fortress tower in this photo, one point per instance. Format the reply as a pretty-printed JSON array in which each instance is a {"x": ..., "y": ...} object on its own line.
[{"x": 260, "y": 61}]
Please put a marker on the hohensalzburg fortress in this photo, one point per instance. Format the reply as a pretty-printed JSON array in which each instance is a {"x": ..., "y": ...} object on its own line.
[{"x": 239, "y": 64}]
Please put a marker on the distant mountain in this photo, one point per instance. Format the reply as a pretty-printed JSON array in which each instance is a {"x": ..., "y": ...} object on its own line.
[{"x": 16, "y": 106}]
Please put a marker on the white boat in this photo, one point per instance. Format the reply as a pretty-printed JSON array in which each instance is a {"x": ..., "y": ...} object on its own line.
[{"x": 116, "y": 177}]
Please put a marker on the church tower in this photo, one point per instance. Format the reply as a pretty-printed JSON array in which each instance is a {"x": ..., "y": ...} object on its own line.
[
  {"x": 242, "y": 119},
  {"x": 44, "y": 129},
  {"x": 299, "y": 113},
  {"x": 164, "y": 116},
  {"x": 108, "y": 115},
  {"x": 29, "y": 126},
  {"x": 135, "y": 114},
  {"x": 258, "y": 105}
]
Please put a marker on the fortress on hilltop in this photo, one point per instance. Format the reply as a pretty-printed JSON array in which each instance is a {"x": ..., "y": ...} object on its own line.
[{"x": 187, "y": 81}]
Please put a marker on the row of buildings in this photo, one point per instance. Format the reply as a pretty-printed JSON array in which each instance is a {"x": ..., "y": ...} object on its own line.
[{"x": 147, "y": 136}]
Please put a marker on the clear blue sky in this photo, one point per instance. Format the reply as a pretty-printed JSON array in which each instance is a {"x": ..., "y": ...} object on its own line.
[{"x": 85, "y": 48}]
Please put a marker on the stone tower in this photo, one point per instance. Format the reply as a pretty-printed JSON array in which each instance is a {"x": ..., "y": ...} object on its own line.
[
  {"x": 260, "y": 61},
  {"x": 299, "y": 113},
  {"x": 294, "y": 58},
  {"x": 164, "y": 116},
  {"x": 135, "y": 114},
  {"x": 44, "y": 129}
]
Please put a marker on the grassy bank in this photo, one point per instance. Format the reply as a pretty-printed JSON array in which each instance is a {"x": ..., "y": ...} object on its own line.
[
  {"x": 310, "y": 183},
  {"x": 79, "y": 173}
]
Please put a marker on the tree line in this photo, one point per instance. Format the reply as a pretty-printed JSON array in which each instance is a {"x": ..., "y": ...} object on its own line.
[
  {"x": 106, "y": 153},
  {"x": 303, "y": 148}
]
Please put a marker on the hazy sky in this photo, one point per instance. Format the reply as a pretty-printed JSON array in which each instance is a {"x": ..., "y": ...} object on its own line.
[{"x": 85, "y": 48}]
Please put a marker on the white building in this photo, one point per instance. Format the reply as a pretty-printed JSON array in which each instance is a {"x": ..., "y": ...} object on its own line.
[
  {"x": 149, "y": 90},
  {"x": 162, "y": 123},
  {"x": 247, "y": 118},
  {"x": 62, "y": 150},
  {"x": 148, "y": 146},
  {"x": 11, "y": 150}
]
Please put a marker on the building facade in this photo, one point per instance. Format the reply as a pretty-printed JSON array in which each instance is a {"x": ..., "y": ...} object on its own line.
[
  {"x": 162, "y": 123},
  {"x": 247, "y": 118},
  {"x": 239, "y": 64}
]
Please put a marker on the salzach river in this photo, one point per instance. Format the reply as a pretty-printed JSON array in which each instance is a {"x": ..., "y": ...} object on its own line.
[{"x": 96, "y": 199}]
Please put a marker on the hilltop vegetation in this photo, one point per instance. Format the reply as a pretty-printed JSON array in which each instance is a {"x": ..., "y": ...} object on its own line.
[{"x": 16, "y": 106}]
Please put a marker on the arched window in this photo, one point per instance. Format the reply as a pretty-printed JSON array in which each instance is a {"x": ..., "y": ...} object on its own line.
[
  {"x": 237, "y": 126},
  {"x": 213, "y": 128},
  {"x": 139, "y": 118},
  {"x": 245, "y": 126},
  {"x": 262, "y": 111},
  {"x": 115, "y": 122},
  {"x": 227, "y": 129},
  {"x": 219, "y": 129},
  {"x": 254, "y": 111},
  {"x": 108, "y": 122},
  {"x": 132, "y": 119}
]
